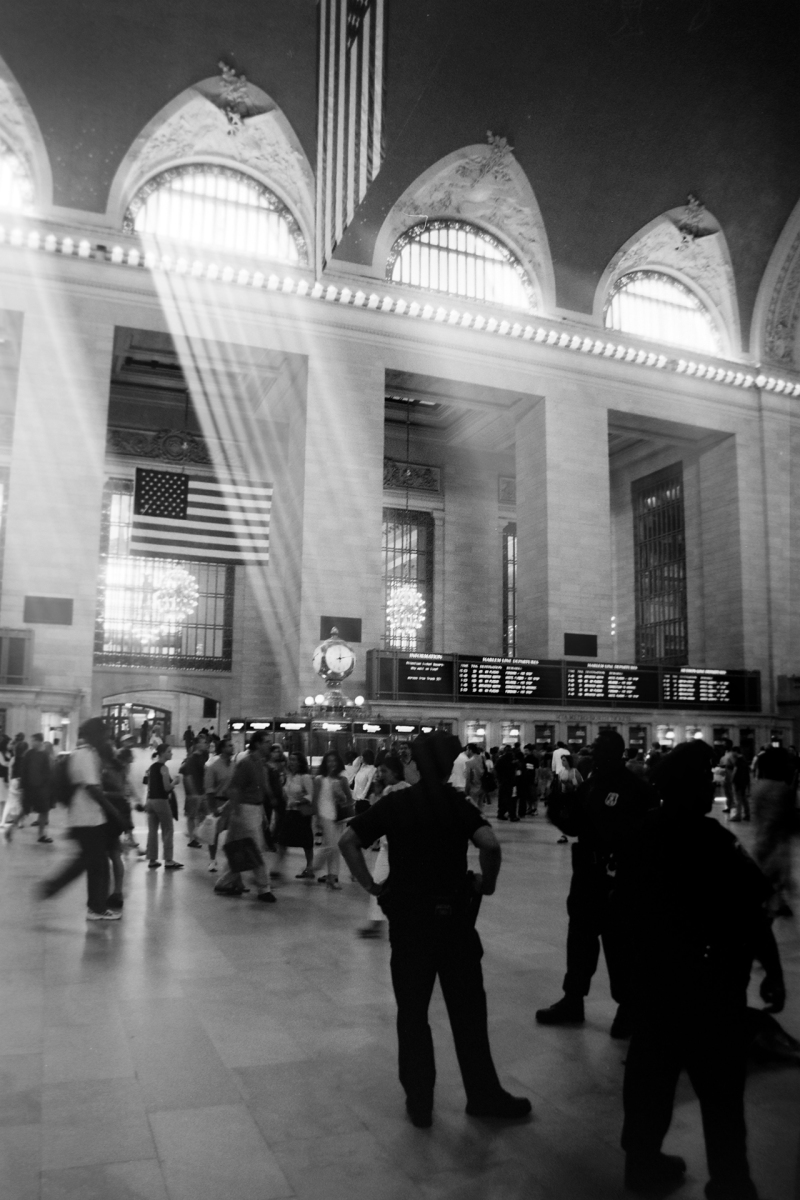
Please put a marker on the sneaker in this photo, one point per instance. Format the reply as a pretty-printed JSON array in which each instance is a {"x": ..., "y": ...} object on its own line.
[
  {"x": 173, "y": 866},
  {"x": 654, "y": 1174},
  {"x": 212, "y": 866},
  {"x": 151, "y": 866},
  {"x": 622, "y": 1025},
  {"x": 564, "y": 1012},
  {"x": 266, "y": 897},
  {"x": 503, "y": 1107},
  {"x": 108, "y": 915}
]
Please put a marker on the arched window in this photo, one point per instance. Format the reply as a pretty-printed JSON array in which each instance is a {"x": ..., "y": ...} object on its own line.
[
  {"x": 16, "y": 186},
  {"x": 659, "y": 308},
  {"x": 461, "y": 260},
  {"x": 220, "y": 208}
]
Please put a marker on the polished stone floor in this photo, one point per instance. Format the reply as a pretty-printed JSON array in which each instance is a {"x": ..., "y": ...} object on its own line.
[{"x": 205, "y": 1048}]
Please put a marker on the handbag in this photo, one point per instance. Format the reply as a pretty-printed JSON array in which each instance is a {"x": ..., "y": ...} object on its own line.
[
  {"x": 243, "y": 854},
  {"x": 206, "y": 831}
]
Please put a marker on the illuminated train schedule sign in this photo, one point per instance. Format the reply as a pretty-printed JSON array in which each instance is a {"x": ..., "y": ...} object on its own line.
[
  {"x": 468, "y": 677},
  {"x": 509, "y": 679}
]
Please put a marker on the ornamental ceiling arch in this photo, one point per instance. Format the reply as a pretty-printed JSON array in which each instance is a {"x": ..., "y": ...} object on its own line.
[
  {"x": 485, "y": 186},
  {"x": 776, "y": 318},
  {"x": 686, "y": 242},
  {"x": 197, "y": 126},
  {"x": 20, "y": 130}
]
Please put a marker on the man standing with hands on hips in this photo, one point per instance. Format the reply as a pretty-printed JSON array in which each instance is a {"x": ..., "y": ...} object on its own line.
[{"x": 432, "y": 901}]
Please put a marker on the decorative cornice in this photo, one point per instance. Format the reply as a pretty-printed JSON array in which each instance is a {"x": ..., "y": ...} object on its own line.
[
  {"x": 783, "y": 314},
  {"x": 414, "y": 476},
  {"x": 26, "y": 235},
  {"x": 167, "y": 445}
]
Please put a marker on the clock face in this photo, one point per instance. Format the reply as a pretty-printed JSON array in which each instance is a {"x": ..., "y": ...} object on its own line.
[{"x": 339, "y": 659}]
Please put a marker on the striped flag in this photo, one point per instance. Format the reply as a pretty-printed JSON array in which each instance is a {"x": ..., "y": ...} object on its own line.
[
  {"x": 192, "y": 516},
  {"x": 350, "y": 113}
]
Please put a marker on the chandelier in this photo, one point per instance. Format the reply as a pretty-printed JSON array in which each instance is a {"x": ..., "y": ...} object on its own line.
[
  {"x": 405, "y": 612},
  {"x": 175, "y": 598}
]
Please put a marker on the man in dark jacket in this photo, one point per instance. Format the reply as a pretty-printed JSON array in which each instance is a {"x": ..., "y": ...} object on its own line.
[
  {"x": 432, "y": 902},
  {"x": 693, "y": 910},
  {"x": 506, "y": 771},
  {"x": 604, "y": 813},
  {"x": 36, "y": 781}
]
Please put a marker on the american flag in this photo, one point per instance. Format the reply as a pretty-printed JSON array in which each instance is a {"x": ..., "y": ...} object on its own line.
[
  {"x": 350, "y": 113},
  {"x": 190, "y": 516}
]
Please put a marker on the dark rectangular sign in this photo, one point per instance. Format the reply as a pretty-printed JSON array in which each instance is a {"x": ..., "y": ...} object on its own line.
[
  {"x": 610, "y": 683},
  {"x": 425, "y": 675},
  {"x": 694, "y": 687},
  {"x": 47, "y": 610},
  {"x": 508, "y": 679},
  {"x": 348, "y": 628}
]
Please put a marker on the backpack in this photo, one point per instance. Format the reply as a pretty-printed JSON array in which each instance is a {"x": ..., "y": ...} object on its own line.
[{"x": 63, "y": 788}]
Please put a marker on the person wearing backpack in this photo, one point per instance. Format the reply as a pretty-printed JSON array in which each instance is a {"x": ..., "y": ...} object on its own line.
[{"x": 88, "y": 816}]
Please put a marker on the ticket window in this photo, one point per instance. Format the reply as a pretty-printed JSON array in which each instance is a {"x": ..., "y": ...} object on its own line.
[
  {"x": 577, "y": 737},
  {"x": 510, "y": 733},
  {"x": 476, "y": 732},
  {"x": 544, "y": 737},
  {"x": 638, "y": 736},
  {"x": 747, "y": 742}
]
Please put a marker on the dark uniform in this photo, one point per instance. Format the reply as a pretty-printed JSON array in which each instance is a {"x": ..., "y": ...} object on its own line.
[
  {"x": 432, "y": 908},
  {"x": 604, "y": 812},
  {"x": 692, "y": 904}
]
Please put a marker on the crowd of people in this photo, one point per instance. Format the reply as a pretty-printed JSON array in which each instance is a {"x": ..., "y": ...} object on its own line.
[{"x": 680, "y": 911}]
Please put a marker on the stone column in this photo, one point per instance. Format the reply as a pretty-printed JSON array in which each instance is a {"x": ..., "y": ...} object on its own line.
[
  {"x": 56, "y": 479},
  {"x": 563, "y": 522},
  {"x": 343, "y": 503}
]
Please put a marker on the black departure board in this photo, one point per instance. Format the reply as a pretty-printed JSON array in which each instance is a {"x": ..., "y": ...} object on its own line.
[
  {"x": 611, "y": 683},
  {"x": 510, "y": 679},
  {"x": 693, "y": 687},
  {"x": 425, "y": 675}
]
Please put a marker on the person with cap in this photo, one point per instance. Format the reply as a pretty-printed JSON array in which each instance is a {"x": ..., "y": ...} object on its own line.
[
  {"x": 88, "y": 818},
  {"x": 694, "y": 912},
  {"x": 602, "y": 813},
  {"x": 432, "y": 901}
]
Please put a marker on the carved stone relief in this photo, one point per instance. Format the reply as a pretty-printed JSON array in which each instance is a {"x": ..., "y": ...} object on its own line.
[
  {"x": 167, "y": 445},
  {"x": 507, "y": 489},
  {"x": 703, "y": 260},
  {"x": 264, "y": 142},
  {"x": 484, "y": 185},
  {"x": 782, "y": 325},
  {"x": 13, "y": 129},
  {"x": 415, "y": 476}
]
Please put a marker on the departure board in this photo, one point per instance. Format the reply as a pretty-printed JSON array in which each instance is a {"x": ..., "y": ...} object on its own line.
[
  {"x": 510, "y": 679},
  {"x": 694, "y": 687},
  {"x": 611, "y": 683},
  {"x": 425, "y": 675}
]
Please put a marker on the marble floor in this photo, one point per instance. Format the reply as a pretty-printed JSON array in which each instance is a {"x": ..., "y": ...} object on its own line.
[{"x": 205, "y": 1048}]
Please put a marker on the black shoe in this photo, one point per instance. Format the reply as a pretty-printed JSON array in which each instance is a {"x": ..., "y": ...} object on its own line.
[
  {"x": 564, "y": 1012},
  {"x": 194, "y": 844},
  {"x": 115, "y": 901},
  {"x": 420, "y": 1114},
  {"x": 267, "y": 897},
  {"x": 44, "y": 838},
  {"x": 622, "y": 1025},
  {"x": 151, "y": 866},
  {"x": 560, "y": 841},
  {"x": 228, "y": 891},
  {"x": 654, "y": 1175},
  {"x": 503, "y": 1107},
  {"x": 173, "y": 866}
]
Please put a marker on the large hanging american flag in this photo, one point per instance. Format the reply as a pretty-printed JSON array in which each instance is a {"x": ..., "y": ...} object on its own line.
[
  {"x": 188, "y": 516},
  {"x": 350, "y": 113}
]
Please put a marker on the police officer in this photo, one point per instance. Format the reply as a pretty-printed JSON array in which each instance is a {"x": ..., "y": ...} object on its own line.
[
  {"x": 694, "y": 907},
  {"x": 603, "y": 814},
  {"x": 432, "y": 902}
]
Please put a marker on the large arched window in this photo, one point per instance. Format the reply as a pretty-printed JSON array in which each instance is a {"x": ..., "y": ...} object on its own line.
[
  {"x": 205, "y": 205},
  {"x": 655, "y": 306},
  {"x": 16, "y": 186},
  {"x": 461, "y": 260}
]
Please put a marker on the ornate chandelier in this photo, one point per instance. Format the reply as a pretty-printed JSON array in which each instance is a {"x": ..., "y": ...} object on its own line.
[
  {"x": 405, "y": 612},
  {"x": 175, "y": 598}
]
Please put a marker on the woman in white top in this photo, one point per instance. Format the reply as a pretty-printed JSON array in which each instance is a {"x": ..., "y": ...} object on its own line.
[
  {"x": 364, "y": 776},
  {"x": 87, "y": 823},
  {"x": 333, "y": 805},
  {"x": 390, "y": 776},
  {"x": 294, "y": 827}
]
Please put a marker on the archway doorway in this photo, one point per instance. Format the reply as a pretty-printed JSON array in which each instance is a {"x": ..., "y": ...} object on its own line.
[{"x": 167, "y": 714}]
